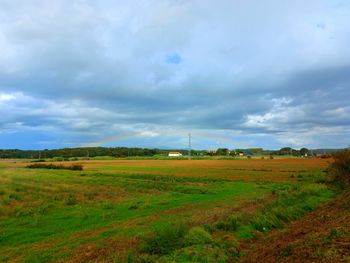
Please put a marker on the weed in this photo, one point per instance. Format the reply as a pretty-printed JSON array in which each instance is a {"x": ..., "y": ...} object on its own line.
[
  {"x": 287, "y": 251},
  {"x": 333, "y": 234},
  {"x": 90, "y": 195},
  {"x": 107, "y": 205},
  {"x": 166, "y": 240},
  {"x": 130, "y": 257},
  {"x": 6, "y": 200},
  {"x": 230, "y": 224},
  {"x": 197, "y": 236},
  {"x": 15, "y": 196},
  {"x": 71, "y": 200},
  {"x": 135, "y": 205}
]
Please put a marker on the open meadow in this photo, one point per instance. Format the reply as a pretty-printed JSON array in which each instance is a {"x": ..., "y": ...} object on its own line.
[{"x": 151, "y": 210}]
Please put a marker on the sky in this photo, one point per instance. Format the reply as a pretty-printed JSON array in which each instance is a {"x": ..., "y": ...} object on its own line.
[{"x": 145, "y": 73}]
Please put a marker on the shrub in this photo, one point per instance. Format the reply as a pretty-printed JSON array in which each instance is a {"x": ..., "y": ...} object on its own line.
[
  {"x": 74, "y": 167},
  {"x": 38, "y": 161},
  {"x": 197, "y": 236},
  {"x": 164, "y": 241},
  {"x": 339, "y": 170}
]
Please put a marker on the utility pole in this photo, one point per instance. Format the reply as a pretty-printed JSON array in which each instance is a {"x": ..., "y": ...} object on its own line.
[
  {"x": 39, "y": 155},
  {"x": 189, "y": 145}
]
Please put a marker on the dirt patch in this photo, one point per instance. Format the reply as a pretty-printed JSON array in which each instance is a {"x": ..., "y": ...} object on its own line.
[
  {"x": 321, "y": 236},
  {"x": 108, "y": 251}
]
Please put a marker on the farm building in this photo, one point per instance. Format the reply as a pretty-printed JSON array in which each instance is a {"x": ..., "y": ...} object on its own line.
[{"x": 174, "y": 154}]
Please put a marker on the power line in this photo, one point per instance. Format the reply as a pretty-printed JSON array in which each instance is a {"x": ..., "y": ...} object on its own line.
[{"x": 189, "y": 145}]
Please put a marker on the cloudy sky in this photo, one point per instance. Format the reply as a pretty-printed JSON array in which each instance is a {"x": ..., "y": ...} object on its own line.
[{"x": 234, "y": 73}]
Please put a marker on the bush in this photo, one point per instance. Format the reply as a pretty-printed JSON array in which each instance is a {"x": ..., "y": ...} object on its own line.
[
  {"x": 74, "y": 167},
  {"x": 38, "y": 161},
  {"x": 197, "y": 236},
  {"x": 339, "y": 170},
  {"x": 164, "y": 241}
]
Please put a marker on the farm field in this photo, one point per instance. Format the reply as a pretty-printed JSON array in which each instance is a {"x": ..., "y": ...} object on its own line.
[{"x": 142, "y": 210}]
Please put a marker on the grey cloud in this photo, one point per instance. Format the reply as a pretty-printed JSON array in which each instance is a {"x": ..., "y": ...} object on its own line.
[{"x": 82, "y": 66}]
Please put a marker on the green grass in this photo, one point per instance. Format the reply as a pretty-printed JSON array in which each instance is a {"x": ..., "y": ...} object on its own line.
[
  {"x": 294, "y": 202},
  {"x": 46, "y": 214}
]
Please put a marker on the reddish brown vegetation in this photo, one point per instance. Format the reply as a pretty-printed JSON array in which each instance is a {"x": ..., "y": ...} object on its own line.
[
  {"x": 339, "y": 170},
  {"x": 253, "y": 169},
  {"x": 321, "y": 236}
]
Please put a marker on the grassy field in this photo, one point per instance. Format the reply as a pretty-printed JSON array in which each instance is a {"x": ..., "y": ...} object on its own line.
[{"x": 151, "y": 210}]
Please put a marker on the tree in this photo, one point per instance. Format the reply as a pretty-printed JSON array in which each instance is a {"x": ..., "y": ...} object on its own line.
[
  {"x": 304, "y": 151},
  {"x": 222, "y": 151}
]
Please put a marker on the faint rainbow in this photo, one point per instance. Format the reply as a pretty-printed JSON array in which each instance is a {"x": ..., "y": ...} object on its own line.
[
  {"x": 110, "y": 139},
  {"x": 197, "y": 134}
]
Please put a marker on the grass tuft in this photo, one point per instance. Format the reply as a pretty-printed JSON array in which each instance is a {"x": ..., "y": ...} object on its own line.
[
  {"x": 166, "y": 240},
  {"x": 197, "y": 236}
]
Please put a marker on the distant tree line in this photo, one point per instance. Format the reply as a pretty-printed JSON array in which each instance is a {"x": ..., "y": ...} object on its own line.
[
  {"x": 260, "y": 151},
  {"x": 129, "y": 152},
  {"x": 80, "y": 152}
]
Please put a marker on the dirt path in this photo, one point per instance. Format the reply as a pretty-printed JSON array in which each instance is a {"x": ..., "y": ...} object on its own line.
[{"x": 321, "y": 236}]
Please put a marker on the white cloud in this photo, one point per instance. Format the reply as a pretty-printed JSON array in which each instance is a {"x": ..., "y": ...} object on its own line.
[
  {"x": 99, "y": 68},
  {"x": 6, "y": 97}
]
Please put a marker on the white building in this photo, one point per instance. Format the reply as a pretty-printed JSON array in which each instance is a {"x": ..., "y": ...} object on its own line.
[{"x": 174, "y": 154}]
